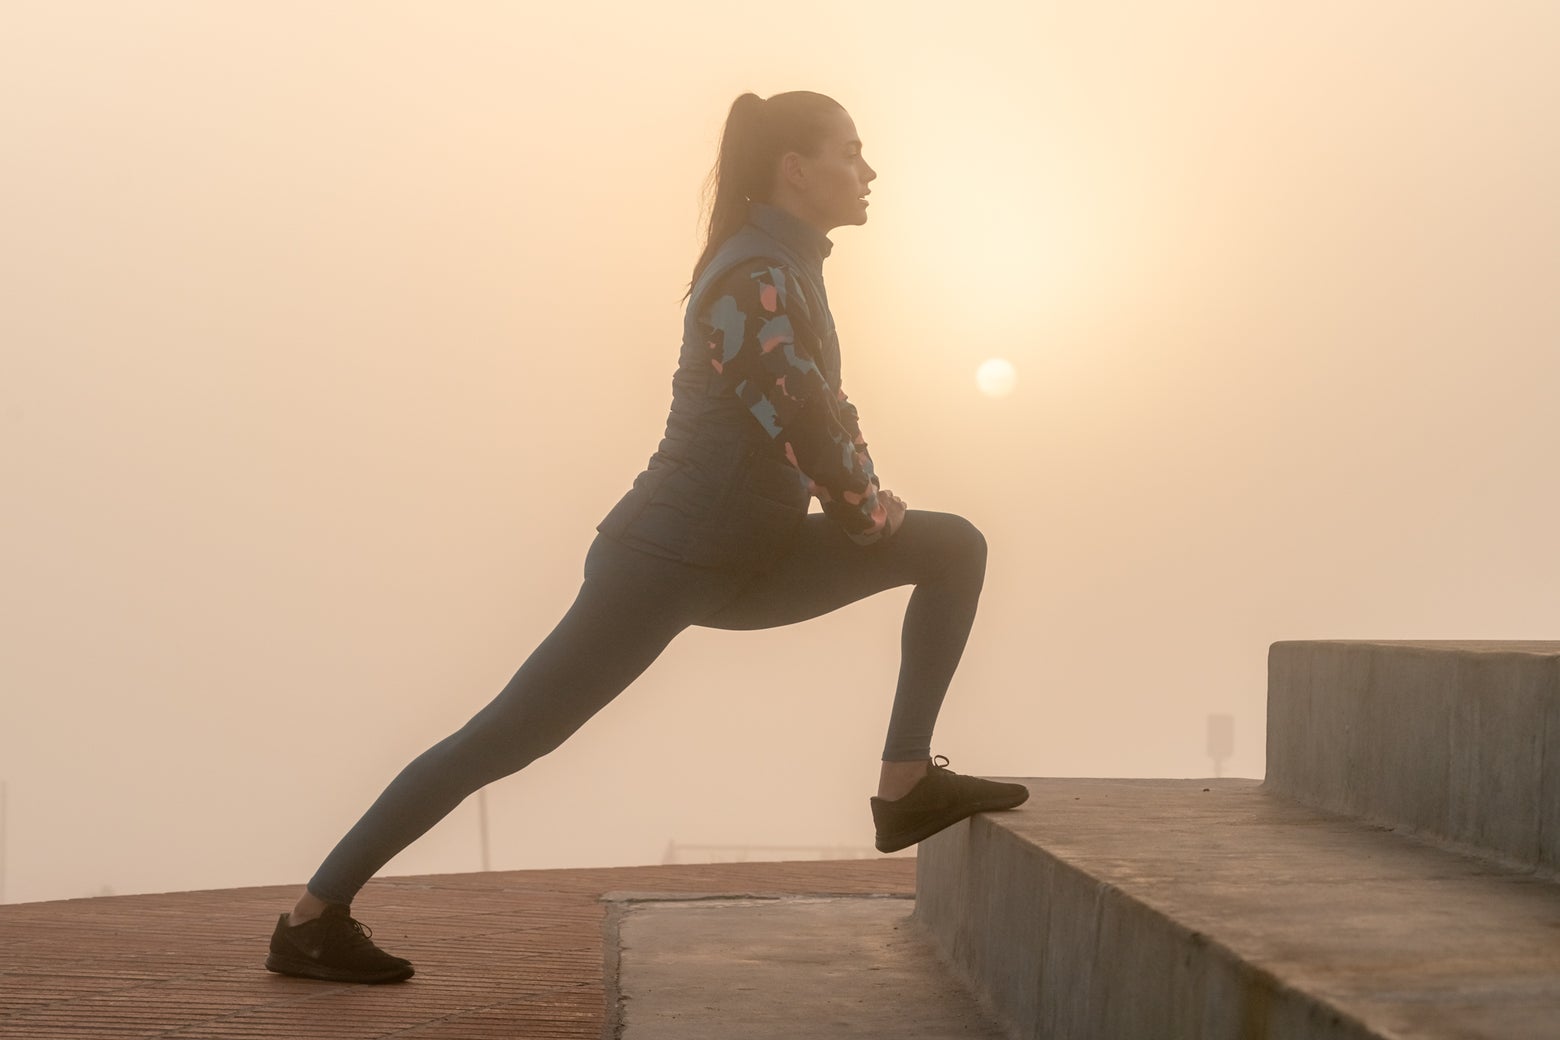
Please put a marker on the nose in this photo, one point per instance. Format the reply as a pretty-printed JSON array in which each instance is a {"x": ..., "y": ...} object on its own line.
[{"x": 871, "y": 174}]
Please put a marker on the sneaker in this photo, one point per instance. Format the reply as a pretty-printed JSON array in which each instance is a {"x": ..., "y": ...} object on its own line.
[
  {"x": 939, "y": 799},
  {"x": 333, "y": 947}
]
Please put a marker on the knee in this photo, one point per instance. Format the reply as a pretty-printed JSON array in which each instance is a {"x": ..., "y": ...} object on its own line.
[{"x": 965, "y": 545}]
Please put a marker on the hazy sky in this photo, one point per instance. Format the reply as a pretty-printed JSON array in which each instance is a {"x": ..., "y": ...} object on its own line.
[{"x": 330, "y": 331}]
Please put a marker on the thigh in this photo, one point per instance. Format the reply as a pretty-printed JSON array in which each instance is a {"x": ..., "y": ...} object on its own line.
[
  {"x": 629, "y": 607},
  {"x": 825, "y": 570}
]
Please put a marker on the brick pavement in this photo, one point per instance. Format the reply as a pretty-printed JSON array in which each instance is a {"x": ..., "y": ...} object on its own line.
[{"x": 504, "y": 954}]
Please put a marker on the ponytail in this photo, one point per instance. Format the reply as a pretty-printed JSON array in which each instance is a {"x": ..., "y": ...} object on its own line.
[{"x": 756, "y": 135}]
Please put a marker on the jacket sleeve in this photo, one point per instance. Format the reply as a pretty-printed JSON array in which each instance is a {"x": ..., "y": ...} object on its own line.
[{"x": 770, "y": 365}]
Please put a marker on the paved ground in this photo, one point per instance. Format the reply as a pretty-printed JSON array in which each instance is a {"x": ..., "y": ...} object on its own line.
[{"x": 503, "y": 954}]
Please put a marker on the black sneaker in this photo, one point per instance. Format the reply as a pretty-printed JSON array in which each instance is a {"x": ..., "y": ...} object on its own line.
[
  {"x": 334, "y": 947},
  {"x": 939, "y": 799}
]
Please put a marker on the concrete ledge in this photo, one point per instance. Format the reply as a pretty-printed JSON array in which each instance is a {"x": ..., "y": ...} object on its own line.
[
  {"x": 1214, "y": 909},
  {"x": 1448, "y": 739}
]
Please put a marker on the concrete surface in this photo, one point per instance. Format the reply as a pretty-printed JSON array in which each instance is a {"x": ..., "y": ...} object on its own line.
[
  {"x": 1216, "y": 910},
  {"x": 796, "y": 968},
  {"x": 1459, "y": 740}
]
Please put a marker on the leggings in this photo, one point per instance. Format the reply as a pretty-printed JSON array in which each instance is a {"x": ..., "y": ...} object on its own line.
[{"x": 629, "y": 607}]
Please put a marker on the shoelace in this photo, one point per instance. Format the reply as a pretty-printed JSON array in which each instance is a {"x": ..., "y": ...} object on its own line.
[
  {"x": 359, "y": 933},
  {"x": 364, "y": 932}
]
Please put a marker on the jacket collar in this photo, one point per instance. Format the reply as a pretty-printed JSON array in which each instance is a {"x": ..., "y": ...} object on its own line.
[{"x": 791, "y": 231}]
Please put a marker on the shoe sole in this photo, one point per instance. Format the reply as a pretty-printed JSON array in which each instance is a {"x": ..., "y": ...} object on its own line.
[
  {"x": 303, "y": 969},
  {"x": 905, "y": 839}
]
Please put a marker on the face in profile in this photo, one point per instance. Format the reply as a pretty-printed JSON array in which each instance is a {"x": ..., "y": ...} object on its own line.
[{"x": 832, "y": 190}]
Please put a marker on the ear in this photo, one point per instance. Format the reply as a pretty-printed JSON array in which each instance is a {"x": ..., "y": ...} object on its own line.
[{"x": 793, "y": 171}]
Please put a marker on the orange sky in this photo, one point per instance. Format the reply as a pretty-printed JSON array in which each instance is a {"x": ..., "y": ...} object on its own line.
[{"x": 329, "y": 335}]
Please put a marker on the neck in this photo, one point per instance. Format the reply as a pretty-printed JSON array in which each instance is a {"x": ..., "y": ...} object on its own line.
[
  {"x": 810, "y": 244},
  {"x": 793, "y": 205}
]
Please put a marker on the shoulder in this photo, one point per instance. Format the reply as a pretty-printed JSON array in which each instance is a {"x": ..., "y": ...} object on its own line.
[
  {"x": 759, "y": 286},
  {"x": 745, "y": 276}
]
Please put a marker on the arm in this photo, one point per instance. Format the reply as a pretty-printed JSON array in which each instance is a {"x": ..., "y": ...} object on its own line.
[
  {"x": 852, "y": 423},
  {"x": 770, "y": 365}
]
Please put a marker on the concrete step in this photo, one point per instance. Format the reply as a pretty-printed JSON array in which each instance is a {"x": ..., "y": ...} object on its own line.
[
  {"x": 780, "y": 968},
  {"x": 1216, "y": 909},
  {"x": 1448, "y": 739}
]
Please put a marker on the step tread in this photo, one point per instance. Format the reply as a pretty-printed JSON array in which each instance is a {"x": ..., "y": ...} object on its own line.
[
  {"x": 843, "y": 967},
  {"x": 1393, "y": 930}
]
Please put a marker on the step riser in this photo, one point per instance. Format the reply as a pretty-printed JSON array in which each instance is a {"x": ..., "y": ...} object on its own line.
[
  {"x": 1058, "y": 955},
  {"x": 1448, "y": 741}
]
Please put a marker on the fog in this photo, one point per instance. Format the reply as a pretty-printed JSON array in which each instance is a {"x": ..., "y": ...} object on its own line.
[{"x": 329, "y": 333}]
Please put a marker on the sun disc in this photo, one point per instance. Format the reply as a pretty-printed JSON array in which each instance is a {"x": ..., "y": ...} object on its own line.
[{"x": 995, "y": 377}]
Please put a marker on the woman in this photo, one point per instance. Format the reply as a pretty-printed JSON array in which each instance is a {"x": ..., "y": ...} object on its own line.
[{"x": 716, "y": 531}]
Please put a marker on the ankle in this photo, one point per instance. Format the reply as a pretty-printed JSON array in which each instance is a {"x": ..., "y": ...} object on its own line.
[
  {"x": 308, "y": 907},
  {"x": 898, "y": 778}
]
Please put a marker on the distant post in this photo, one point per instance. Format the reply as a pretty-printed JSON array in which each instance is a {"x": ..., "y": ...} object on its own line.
[
  {"x": 1221, "y": 740},
  {"x": 482, "y": 824}
]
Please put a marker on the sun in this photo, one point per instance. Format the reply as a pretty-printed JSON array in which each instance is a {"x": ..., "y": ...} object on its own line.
[{"x": 996, "y": 377}]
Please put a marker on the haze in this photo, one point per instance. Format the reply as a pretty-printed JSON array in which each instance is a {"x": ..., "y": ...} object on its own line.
[{"x": 330, "y": 332}]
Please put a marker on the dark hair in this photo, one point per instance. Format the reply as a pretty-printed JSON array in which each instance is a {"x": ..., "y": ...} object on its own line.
[{"x": 758, "y": 132}]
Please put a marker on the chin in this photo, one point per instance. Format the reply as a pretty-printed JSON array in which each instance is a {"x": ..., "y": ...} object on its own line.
[{"x": 857, "y": 216}]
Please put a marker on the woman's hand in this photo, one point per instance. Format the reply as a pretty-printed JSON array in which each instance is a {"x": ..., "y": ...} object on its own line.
[{"x": 896, "y": 511}]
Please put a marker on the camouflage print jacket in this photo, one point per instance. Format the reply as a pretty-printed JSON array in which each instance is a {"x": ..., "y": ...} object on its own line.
[{"x": 759, "y": 423}]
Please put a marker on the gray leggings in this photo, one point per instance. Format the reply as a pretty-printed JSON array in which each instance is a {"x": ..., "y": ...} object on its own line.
[{"x": 630, "y": 606}]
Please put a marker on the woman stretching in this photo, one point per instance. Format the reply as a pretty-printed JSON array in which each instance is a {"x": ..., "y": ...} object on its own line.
[{"x": 716, "y": 532}]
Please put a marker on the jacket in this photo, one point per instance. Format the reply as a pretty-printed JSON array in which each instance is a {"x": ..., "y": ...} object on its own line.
[{"x": 759, "y": 424}]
